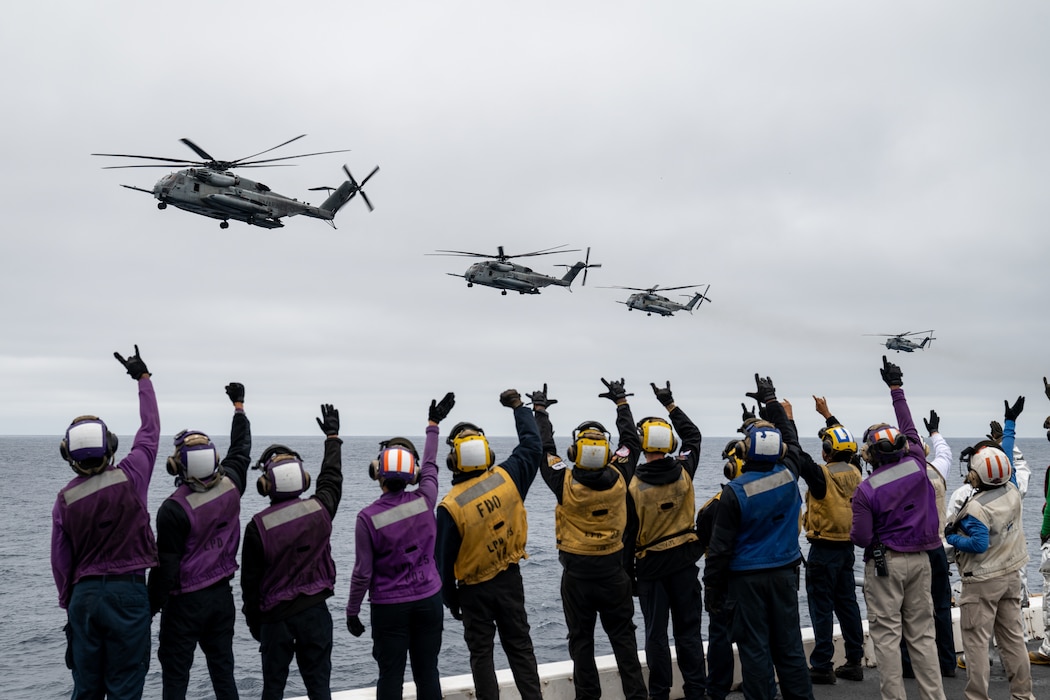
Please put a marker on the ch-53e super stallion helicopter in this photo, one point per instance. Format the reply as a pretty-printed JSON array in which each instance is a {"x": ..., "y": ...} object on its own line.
[
  {"x": 650, "y": 302},
  {"x": 901, "y": 343},
  {"x": 212, "y": 190},
  {"x": 500, "y": 273}
]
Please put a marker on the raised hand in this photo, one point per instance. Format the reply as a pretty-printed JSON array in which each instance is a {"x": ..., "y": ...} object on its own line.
[
  {"x": 891, "y": 373},
  {"x": 764, "y": 390},
  {"x": 663, "y": 394},
  {"x": 933, "y": 425},
  {"x": 539, "y": 398},
  {"x": 133, "y": 364},
  {"x": 746, "y": 413},
  {"x": 1012, "y": 412},
  {"x": 438, "y": 411},
  {"x": 510, "y": 398},
  {"x": 329, "y": 420},
  {"x": 235, "y": 390},
  {"x": 821, "y": 405},
  {"x": 616, "y": 392}
]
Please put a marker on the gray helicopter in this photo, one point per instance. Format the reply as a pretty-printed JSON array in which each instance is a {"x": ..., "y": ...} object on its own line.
[
  {"x": 211, "y": 188},
  {"x": 498, "y": 272},
  {"x": 902, "y": 343},
  {"x": 650, "y": 302}
]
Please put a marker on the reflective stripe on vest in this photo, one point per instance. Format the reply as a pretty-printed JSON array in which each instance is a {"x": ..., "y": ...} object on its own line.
[
  {"x": 292, "y": 512},
  {"x": 399, "y": 513},
  {"x": 198, "y": 499},
  {"x": 95, "y": 484}
]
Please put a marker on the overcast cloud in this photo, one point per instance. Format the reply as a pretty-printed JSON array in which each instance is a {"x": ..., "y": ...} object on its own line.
[{"x": 831, "y": 169}]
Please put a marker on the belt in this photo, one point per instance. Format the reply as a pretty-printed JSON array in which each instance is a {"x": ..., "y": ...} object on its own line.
[{"x": 130, "y": 578}]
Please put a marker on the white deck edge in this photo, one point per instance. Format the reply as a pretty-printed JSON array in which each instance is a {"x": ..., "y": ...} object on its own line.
[{"x": 557, "y": 677}]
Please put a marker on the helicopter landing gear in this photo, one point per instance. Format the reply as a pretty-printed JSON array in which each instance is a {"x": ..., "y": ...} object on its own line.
[
  {"x": 162, "y": 205},
  {"x": 504, "y": 292},
  {"x": 649, "y": 314},
  {"x": 224, "y": 224},
  {"x": 470, "y": 284}
]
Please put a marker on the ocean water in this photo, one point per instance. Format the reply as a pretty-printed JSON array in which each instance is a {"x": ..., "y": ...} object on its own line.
[{"x": 32, "y": 644}]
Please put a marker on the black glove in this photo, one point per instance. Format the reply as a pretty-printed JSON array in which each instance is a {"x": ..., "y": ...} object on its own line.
[
  {"x": 933, "y": 425},
  {"x": 764, "y": 392},
  {"x": 235, "y": 390},
  {"x": 510, "y": 398},
  {"x": 539, "y": 398},
  {"x": 891, "y": 373},
  {"x": 616, "y": 393},
  {"x": 439, "y": 411},
  {"x": 995, "y": 431},
  {"x": 329, "y": 420},
  {"x": 354, "y": 626},
  {"x": 713, "y": 603},
  {"x": 746, "y": 415},
  {"x": 133, "y": 364},
  {"x": 949, "y": 529},
  {"x": 1011, "y": 412},
  {"x": 457, "y": 613},
  {"x": 663, "y": 394}
]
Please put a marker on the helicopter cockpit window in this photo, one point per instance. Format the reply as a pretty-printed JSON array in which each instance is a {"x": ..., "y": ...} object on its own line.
[{"x": 261, "y": 187}]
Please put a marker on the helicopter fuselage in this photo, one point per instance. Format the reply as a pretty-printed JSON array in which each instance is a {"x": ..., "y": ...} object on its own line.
[
  {"x": 653, "y": 304},
  {"x": 508, "y": 276},
  {"x": 225, "y": 195}
]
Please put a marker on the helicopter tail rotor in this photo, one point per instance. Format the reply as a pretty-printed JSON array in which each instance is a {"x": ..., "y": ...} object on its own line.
[{"x": 357, "y": 188}]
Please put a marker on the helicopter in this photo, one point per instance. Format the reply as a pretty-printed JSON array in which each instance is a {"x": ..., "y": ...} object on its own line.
[
  {"x": 498, "y": 272},
  {"x": 650, "y": 302},
  {"x": 211, "y": 189},
  {"x": 900, "y": 341}
]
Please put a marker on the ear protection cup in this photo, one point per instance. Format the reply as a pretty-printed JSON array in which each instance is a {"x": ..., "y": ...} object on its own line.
[
  {"x": 265, "y": 483},
  {"x": 836, "y": 439},
  {"x": 94, "y": 445},
  {"x": 655, "y": 433},
  {"x": 882, "y": 442},
  {"x": 591, "y": 443},
  {"x": 763, "y": 443},
  {"x": 265, "y": 486},
  {"x": 456, "y": 443},
  {"x": 732, "y": 453}
]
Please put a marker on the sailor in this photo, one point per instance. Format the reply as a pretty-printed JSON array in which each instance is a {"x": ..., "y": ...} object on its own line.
[
  {"x": 198, "y": 537},
  {"x": 662, "y": 546},
  {"x": 1041, "y": 656},
  {"x": 589, "y": 520},
  {"x": 895, "y": 520},
  {"x": 287, "y": 570},
  {"x": 830, "y": 585},
  {"x": 940, "y": 575},
  {"x": 394, "y": 562},
  {"x": 752, "y": 572},
  {"x": 481, "y": 535},
  {"x": 101, "y": 578},
  {"x": 989, "y": 551}
]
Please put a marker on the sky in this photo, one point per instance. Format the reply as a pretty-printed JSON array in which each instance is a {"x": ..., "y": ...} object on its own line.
[{"x": 831, "y": 169}]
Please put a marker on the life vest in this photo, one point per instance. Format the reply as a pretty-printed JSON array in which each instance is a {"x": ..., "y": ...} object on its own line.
[
  {"x": 591, "y": 522},
  {"x": 214, "y": 537},
  {"x": 297, "y": 549},
  {"x": 666, "y": 514},
  {"x": 939, "y": 489},
  {"x": 831, "y": 517},
  {"x": 769, "y": 515},
  {"x": 1000, "y": 510},
  {"x": 491, "y": 519}
]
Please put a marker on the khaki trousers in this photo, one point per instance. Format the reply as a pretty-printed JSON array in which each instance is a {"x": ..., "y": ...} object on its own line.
[
  {"x": 900, "y": 604},
  {"x": 987, "y": 607}
]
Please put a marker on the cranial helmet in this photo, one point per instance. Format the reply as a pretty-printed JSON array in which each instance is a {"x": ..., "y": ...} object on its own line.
[
  {"x": 195, "y": 461},
  {"x": 837, "y": 439},
  {"x": 283, "y": 475},
  {"x": 657, "y": 435},
  {"x": 590, "y": 448},
  {"x": 734, "y": 465},
  {"x": 882, "y": 443},
  {"x": 470, "y": 449},
  {"x": 762, "y": 443},
  {"x": 397, "y": 459},
  {"x": 991, "y": 465},
  {"x": 88, "y": 445}
]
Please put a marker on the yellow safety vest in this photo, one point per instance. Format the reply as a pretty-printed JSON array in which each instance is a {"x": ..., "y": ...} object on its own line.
[
  {"x": 591, "y": 522},
  {"x": 490, "y": 516},
  {"x": 666, "y": 514},
  {"x": 830, "y": 518}
]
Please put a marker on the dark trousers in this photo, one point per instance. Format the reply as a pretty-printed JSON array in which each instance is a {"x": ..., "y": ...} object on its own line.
[
  {"x": 832, "y": 588},
  {"x": 499, "y": 604},
  {"x": 676, "y": 596},
  {"x": 110, "y": 626},
  {"x": 766, "y": 629},
  {"x": 412, "y": 630},
  {"x": 941, "y": 592},
  {"x": 583, "y": 602},
  {"x": 306, "y": 636},
  {"x": 720, "y": 663},
  {"x": 204, "y": 617}
]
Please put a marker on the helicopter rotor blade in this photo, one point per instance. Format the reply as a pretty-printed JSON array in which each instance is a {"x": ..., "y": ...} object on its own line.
[
  {"x": 171, "y": 161},
  {"x": 197, "y": 149},
  {"x": 240, "y": 164},
  {"x": 270, "y": 149}
]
